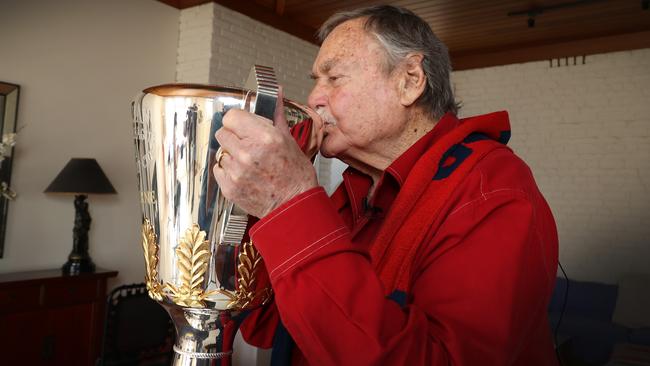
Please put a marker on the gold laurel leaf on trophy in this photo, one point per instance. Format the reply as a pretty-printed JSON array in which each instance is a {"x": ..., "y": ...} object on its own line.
[
  {"x": 229, "y": 294},
  {"x": 150, "y": 248},
  {"x": 197, "y": 279},
  {"x": 245, "y": 262},
  {"x": 192, "y": 254},
  {"x": 249, "y": 259},
  {"x": 172, "y": 290},
  {"x": 266, "y": 295},
  {"x": 244, "y": 276}
]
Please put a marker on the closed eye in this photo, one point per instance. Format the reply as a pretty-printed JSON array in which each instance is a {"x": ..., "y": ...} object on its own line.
[{"x": 334, "y": 78}]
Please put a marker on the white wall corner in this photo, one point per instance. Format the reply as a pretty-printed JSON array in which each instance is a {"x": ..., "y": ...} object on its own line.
[{"x": 195, "y": 44}]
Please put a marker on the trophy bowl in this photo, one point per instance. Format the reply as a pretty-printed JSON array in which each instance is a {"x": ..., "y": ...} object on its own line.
[{"x": 200, "y": 263}]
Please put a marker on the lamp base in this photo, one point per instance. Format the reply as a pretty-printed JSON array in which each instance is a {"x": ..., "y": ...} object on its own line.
[
  {"x": 79, "y": 260},
  {"x": 75, "y": 266}
]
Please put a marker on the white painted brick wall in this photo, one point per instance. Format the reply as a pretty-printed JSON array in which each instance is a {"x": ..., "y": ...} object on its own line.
[
  {"x": 195, "y": 44},
  {"x": 242, "y": 42},
  {"x": 585, "y": 132},
  {"x": 219, "y": 46}
]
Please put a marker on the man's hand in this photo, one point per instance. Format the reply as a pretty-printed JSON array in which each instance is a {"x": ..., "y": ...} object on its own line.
[{"x": 263, "y": 167}]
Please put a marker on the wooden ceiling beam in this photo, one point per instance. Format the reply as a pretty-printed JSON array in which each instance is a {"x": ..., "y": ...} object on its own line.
[
  {"x": 572, "y": 28},
  {"x": 269, "y": 17},
  {"x": 279, "y": 7},
  {"x": 492, "y": 13},
  {"x": 528, "y": 53},
  {"x": 508, "y": 37},
  {"x": 184, "y": 4},
  {"x": 319, "y": 8},
  {"x": 478, "y": 33}
]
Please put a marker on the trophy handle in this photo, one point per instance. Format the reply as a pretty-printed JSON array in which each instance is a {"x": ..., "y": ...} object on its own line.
[
  {"x": 262, "y": 79},
  {"x": 235, "y": 223}
]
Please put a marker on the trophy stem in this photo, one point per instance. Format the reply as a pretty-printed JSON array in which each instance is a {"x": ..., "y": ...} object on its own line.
[{"x": 204, "y": 337}]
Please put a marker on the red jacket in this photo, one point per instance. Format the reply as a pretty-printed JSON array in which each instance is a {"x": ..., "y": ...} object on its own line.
[{"x": 478, "y": 285}]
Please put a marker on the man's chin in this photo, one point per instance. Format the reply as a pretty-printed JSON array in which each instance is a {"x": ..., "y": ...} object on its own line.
[
  {"x": 322, "y": 149},
  {"x": 331, "y": 147},
  {"x": 326, "y": 153}
]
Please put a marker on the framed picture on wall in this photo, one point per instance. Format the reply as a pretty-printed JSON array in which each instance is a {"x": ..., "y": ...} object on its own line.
[{"x": 9, "y": 94}]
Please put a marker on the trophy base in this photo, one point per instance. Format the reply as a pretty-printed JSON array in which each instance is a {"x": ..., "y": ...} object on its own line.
[
  {"x": 200, "y": 358},
  {"x": 204, "y": 337}
]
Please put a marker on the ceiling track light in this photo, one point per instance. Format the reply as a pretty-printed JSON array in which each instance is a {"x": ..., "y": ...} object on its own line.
[{"x": 534, "y": 12}]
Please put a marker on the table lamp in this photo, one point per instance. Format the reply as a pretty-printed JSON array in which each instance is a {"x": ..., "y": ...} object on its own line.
[{"x": 80, "y": 177}]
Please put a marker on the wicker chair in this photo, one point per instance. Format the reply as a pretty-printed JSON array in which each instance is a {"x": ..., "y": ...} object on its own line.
[{"x": 137, "y": 330}]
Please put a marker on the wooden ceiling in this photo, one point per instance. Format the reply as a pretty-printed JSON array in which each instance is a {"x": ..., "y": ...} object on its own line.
[{"x": 481, "y": 33}]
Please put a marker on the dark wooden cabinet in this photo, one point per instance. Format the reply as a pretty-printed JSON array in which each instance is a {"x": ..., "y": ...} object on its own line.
[{"x": 50, "y": 319}]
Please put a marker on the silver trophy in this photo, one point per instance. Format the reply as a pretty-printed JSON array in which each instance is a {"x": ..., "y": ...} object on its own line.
[{"x": 200, "y": 263}]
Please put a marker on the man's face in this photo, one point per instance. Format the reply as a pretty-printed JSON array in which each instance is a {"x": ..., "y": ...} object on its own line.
[{"x": 354, "y": 94}]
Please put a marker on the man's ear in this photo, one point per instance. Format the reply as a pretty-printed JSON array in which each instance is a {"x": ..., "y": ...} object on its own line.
[{"x": 413, "y": 80}]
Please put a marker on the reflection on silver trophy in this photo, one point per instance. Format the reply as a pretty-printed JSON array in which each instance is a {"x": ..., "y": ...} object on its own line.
[{"x": 200, "y": 263}]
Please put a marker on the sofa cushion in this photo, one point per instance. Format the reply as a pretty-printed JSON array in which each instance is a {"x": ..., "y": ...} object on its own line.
[
  {"x": 630, "y": 354},
  {"x": 591, "y": 340},
  {"x": 585, "y": 299},
  {"x": 639, "y": 336},
  {"x": 557, "y": 300},
  {"x": 633, "y": 304}
]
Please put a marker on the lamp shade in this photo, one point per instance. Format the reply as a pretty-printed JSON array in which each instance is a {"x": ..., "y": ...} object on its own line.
[{"x": 81, "y": 176}]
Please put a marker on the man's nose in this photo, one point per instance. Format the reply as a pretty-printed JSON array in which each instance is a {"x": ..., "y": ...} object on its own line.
[{"x": 317, "y": 98}]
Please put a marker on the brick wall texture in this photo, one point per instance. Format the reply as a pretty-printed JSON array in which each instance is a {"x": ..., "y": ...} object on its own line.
[
  {"x": 219, "y": 46},
  {"x": 584, "y": 130},
  {"x": 195, "y": 39}
]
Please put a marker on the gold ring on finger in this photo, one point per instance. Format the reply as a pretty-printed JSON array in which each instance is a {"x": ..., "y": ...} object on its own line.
[{"x": 220, "y": 156}]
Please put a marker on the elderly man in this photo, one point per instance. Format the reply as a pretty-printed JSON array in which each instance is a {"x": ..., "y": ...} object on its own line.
[{"x": 437, "y": 248}]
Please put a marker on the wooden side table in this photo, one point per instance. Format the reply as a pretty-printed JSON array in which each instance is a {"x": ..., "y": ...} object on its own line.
[{"x": 47, "y": 318}]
